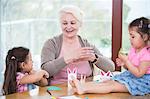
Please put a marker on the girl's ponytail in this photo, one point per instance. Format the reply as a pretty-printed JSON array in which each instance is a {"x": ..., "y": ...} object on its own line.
[{"x": 10, "y": 74}]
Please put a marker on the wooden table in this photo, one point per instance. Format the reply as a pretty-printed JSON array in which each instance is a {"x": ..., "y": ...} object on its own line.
[{"x": 44, "y": 95}]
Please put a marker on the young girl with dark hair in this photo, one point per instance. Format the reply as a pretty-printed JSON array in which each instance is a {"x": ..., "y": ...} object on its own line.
[
  {"x": 136, "y": 80},
  {"x": 19, "y": 75}
]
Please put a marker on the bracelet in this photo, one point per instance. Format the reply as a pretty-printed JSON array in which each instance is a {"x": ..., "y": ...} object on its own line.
[{"x": 95, "y": 59}]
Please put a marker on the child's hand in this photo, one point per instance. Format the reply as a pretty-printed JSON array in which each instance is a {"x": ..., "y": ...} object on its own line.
[
  {"x": 119, "y": 62},
  {"x": 46, "y": 74},
  {"x": 123, "y": 57},
  {"x": 121, "y": 51}
]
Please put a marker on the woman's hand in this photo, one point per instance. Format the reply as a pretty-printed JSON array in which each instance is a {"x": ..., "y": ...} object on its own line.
[
  {"x": 88, "y": 56},
  {"x": 81, "y": 54}
]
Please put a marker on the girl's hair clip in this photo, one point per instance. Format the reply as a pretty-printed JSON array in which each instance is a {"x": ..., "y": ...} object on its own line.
[
  {"x": 141, "y": 24},
  {"x": 13, "y": 57},
  {"x": 148, "y": 26}
]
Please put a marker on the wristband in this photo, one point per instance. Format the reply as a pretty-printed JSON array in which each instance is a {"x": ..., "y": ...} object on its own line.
[{"x": 95, "y": 59}]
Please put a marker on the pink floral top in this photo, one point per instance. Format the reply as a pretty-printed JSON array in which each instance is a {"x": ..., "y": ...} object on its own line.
[
  {"x": 23, "y": 87},
  {"x": 136, "y": 58}
]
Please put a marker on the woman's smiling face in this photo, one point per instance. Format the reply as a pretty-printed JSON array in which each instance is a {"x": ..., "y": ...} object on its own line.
[{"x": 69, "y": 25}]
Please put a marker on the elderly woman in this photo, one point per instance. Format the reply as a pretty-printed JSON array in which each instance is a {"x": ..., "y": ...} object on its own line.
[{"x": 71, "y": 50}]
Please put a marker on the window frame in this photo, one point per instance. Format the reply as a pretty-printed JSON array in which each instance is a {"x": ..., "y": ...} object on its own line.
[{"x": 117, "y": 6}]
